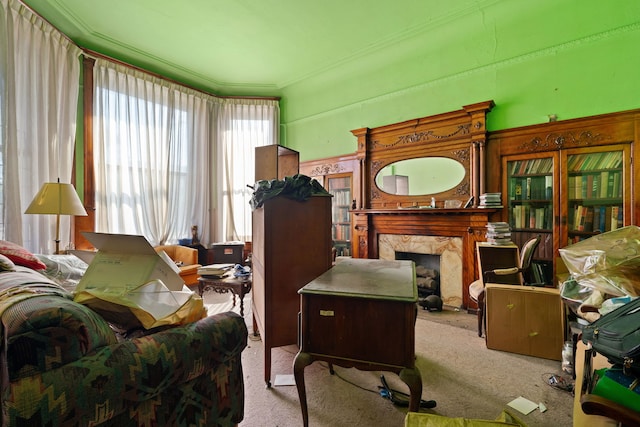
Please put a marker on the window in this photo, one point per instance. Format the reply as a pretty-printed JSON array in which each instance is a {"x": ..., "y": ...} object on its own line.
[
  {"x": 151, "y": 142},
  {"x": 239, "y": 144},
  {"x": 167, "y": 157}
]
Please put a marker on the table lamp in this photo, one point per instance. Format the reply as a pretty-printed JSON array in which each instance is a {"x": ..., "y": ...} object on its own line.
[{"x": 55, "y": 198}]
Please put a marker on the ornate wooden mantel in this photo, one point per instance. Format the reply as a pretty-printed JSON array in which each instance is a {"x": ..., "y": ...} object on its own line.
[{"x": 459, "y": 135}]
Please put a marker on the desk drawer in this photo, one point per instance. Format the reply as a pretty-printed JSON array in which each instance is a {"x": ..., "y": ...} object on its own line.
[{"x": 378, "y": 331}]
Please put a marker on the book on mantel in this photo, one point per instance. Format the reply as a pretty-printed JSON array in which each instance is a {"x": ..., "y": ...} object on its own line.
[{"x": 216, "y": 270}]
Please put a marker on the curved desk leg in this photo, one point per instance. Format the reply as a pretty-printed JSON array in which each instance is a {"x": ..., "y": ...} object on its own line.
[
  {"x": 411, "y": 377},
  {"x": 301, "y": 361}
]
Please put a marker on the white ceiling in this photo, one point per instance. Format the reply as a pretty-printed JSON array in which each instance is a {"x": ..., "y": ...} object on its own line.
[{"x": 251, "y": 46}]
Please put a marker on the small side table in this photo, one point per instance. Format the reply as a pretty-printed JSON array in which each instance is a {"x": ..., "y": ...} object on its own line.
[{"x": 221, "y": 285}]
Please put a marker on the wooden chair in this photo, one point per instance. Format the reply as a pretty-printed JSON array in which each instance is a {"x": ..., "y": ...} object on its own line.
[{"x": 520, "y": 271}]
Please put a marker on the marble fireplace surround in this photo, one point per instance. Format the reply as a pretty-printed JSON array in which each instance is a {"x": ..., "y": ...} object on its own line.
[
  {"x": 465, "y": 227},
  {"x": 449, "y": 249}
]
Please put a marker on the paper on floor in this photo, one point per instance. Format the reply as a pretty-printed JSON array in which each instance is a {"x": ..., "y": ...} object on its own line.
[
  {"x": 284, "y": 380},
  {"x": 523, "y": 405}
]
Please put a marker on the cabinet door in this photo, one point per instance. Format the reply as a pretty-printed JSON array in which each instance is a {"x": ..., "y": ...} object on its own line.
[
  {"x": 532, "y": 207},
  {"x": 596, "y": 186},
  {"x": 339, "y": 185}
]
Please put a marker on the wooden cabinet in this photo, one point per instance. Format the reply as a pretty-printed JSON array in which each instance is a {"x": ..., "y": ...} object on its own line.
[
  {"x": 340, "y": 187},
  {"x": 275, "y": 162},
  {"x": 566, "y": 180},
  {"x": 291, "y": 247},
  {"x": 595, "y": 181},
  {"x": 573, "y": 193},
  {"x": 531, "y": 206},
  {"x": 336, "y": 174}
]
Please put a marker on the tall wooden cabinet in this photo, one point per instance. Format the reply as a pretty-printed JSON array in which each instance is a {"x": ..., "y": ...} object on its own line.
[
  {"x": 275, "y": 162},
  {"x": 291, "y": 247},
  {"x": 566, "y": 180}
]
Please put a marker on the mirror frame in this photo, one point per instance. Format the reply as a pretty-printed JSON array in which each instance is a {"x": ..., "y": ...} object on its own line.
[
  {"x": 419, "y": 176},
  {"x": 459, "y": 135}
]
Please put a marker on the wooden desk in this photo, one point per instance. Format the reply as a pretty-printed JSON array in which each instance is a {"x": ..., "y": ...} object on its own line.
[
  {"x": 237, "y": 286},
  {"x": 361, "y": 313}
]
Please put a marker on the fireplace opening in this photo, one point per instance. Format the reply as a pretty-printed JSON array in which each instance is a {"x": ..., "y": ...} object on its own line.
[{"x": 427, "y": 272}]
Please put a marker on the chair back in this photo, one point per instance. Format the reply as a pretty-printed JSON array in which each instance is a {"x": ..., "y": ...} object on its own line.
[{"x": 526, "y": 254}]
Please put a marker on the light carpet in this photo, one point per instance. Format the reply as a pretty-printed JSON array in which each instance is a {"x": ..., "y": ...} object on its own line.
[{"x": 458, "y": 371}]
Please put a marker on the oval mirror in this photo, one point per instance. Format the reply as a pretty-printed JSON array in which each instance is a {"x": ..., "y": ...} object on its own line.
[{"x": 420, "y": 176}]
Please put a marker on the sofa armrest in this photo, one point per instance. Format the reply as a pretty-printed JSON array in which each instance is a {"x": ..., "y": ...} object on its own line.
[
  {"x": 45, "y": 332},
  {"x": 150, "y": 370}
]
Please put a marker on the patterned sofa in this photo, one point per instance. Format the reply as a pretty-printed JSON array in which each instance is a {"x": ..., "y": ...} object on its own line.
[{"x": 63, "y": 365}]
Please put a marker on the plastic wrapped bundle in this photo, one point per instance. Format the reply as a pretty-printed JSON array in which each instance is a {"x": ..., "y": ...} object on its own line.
[{"x": 608, "y": 262}]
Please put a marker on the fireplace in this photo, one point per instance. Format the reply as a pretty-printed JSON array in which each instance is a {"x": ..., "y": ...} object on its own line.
[
  {"x": 449, "y": 233},
  {"x": 427, "y": 268},
  {"x": 455, "y": 137},
  {"x": 445, "y": 251}
]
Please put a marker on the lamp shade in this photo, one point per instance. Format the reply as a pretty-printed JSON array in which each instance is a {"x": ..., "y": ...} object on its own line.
[{"x": 56, "y": 199}]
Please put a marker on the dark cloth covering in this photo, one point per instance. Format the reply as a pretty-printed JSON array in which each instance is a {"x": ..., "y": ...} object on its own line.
[{"x": 297, "y": 187}]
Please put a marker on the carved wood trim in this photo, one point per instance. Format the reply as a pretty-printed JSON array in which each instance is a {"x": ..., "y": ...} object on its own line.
[
  {"x": 455, "y": 135},
  {"x": 327, "y": 169},
  {"x": 560, "y": 140}
]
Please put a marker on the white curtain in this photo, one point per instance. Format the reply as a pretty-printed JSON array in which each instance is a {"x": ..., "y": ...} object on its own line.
[
  {"x": 243, "y": 125},
  {"x": 39, "y": 84},
  {"x": 168, "y": 157},
  {"x": 152, "y": 144}
]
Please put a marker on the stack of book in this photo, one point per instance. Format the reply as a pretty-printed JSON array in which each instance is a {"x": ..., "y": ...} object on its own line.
[
  {"x": 498, "y": 233},
  {"x": 490, "y": 200},
  {"x": 215, "y": 270}
]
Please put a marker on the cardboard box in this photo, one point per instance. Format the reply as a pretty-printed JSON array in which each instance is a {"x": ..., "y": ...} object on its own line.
[
  {"x": 127, "y": 276},
  {"x": 229, "y": 252},
  {"x": 525, "y": 320},
  {"x": 125, "y": 262}
]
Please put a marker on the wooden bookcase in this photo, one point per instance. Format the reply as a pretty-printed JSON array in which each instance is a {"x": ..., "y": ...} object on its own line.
[
  {"x": 291, "y": 247},
  {"x": 552, "y": 178},
  {"x": 336, "y": 174}
]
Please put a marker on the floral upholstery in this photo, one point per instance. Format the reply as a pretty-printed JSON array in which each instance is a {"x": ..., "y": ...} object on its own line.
[{"x": 63, "y": 365}]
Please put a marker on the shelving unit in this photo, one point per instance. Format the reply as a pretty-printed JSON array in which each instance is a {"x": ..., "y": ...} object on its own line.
[
  {"x": 340, "y": 187},
  {"x": 566, "y": 195},
  {"x": 531, "y": 208},
  {"x": 338, "y": 175},
  {"x": 595, "y": 203}
]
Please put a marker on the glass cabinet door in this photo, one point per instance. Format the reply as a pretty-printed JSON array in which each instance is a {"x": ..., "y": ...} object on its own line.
[
  {"x": 531, "y": 204},
  {"x": 340, "y": 187},
  {"x": 595, "y": 183}
]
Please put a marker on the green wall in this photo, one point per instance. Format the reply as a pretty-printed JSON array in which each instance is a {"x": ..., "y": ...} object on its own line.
[{"x": 572, "y": 58}]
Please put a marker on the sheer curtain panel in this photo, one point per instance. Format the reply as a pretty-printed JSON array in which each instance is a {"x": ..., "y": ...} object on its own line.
[
  {"x": 39, "y": 84},
  {"x": 152, "y": 142},
  {"x": 243, "y": 125},
  {"x": 168, "y": 157}
]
